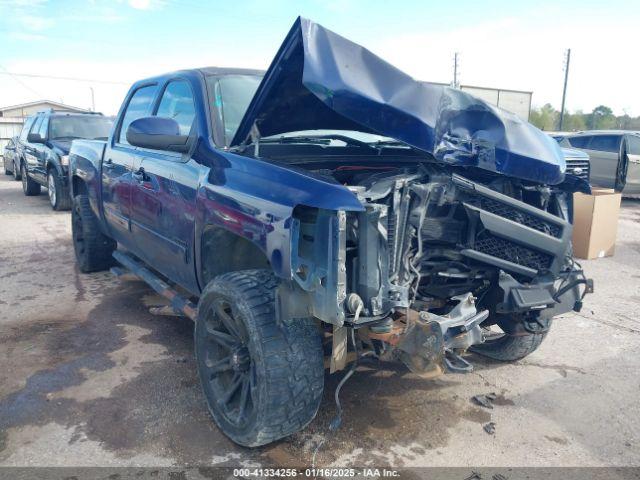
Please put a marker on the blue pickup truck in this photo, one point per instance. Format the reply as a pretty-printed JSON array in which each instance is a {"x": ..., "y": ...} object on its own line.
[{"x": 331, "y": 204}]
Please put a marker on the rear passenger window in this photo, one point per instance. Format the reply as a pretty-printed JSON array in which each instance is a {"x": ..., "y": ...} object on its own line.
[
  {"x": 177, "y": 103},
  {"x": 36, "y": 126},
  {"x": 26, "y": 127},
  {"x": 139, "y": 106},
  {"x": 605, "y": 143},
  {"x": 579, "y": 142},
  {"x": 44, "y": 126}
]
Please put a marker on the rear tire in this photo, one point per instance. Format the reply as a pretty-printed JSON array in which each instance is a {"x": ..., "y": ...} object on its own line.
[
  {"x": 16, "y": 173},
  {"x": 509, "y": 348},
  {"x": 262, "y": 379},
  {"x": 30, "y": 187},
  {"x": 92, "y": 247},
  {"x": 6, "y": 170},
  {"x": 58, "y": 195}
]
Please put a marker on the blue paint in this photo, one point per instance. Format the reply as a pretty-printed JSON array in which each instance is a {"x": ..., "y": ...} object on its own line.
[{"x": 320, "y": 80}]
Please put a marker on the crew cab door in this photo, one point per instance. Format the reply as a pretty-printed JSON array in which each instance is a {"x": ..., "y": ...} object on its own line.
[
  {"x": 117, "y": 166},
  {"x": 164, "y": 194}
]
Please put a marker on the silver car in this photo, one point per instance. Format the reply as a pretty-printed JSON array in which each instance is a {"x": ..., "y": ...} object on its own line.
[
  {"x": 614, "y": 157},
  {"x": 10, "y": 158}
]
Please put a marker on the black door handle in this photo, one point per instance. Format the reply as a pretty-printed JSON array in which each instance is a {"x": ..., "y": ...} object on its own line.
[{"x": 108, "y": 164}]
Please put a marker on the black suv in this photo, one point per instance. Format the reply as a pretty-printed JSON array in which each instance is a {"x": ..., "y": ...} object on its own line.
[{"x": 44, "y": 146}]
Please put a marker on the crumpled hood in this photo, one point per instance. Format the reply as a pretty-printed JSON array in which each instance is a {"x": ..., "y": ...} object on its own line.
[
  {"x": 62, "y": 146},
  {"x": 320, "y": 80}
]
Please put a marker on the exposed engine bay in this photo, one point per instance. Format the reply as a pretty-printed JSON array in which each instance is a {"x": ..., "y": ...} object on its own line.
[{"x": 432, "y": 261}]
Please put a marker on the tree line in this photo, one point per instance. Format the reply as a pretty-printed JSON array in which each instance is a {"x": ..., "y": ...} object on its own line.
[{"x": 601, "y": 118}]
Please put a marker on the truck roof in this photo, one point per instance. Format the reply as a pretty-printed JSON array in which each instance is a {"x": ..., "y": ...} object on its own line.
[{"x": 206, "y": 71}]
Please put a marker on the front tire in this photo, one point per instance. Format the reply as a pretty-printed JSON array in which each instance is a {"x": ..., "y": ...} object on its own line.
[
  {"x": 508, "y": 347},
  {"x": 58, "y": 194},
  {"x": 30, "y": 187},
  {"x": 92, "y": 247},
  {"x": 262, "y": 379}
]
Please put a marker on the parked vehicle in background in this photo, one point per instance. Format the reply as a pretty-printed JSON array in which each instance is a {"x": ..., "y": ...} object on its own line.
[
  {"x": 44, "y": 146},
  {"x": 9, "y": 158},
  {"x": 332, "y": 198},
  {"x": 578, "y": 163},
  {"x": 614, "y": 157}
]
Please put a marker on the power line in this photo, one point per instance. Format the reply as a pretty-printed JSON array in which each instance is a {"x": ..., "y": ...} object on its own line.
[
  {"x": 15, "y": 77},
  {"x": 54, "y": 77}
]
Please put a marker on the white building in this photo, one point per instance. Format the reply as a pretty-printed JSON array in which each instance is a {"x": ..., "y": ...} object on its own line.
[
  {"x": 25, "y": 109},
  {"x": 514, "y": 101},
  {"x": 12, "y": 117}
]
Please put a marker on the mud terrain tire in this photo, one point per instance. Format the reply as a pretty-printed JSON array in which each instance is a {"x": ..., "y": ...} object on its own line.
[
  {"x": 262, "y": 378},
  {"x": 93, "y": 248},
  {"x": 509, "y": 348}
]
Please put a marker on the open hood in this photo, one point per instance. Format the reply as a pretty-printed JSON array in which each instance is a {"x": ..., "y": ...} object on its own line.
[{"x": 320, "y": 80}]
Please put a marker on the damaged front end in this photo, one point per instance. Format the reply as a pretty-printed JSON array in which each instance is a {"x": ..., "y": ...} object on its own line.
[
  {"x": 464, "y": 221},
  {"x": 431, "y": 263}
]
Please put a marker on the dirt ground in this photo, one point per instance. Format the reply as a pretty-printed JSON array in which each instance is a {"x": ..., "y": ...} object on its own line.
[{"x": 89, "y": 377}]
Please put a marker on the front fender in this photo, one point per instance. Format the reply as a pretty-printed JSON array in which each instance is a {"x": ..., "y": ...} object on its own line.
[
  {"x": 255, "y": 199},
  {"x": 54, "y": 162}
]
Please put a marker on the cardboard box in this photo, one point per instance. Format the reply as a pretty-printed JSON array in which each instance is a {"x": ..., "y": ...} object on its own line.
[{"x": 595, "y": 223}]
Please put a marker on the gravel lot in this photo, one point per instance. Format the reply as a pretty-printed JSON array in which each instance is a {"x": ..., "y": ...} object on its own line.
[{"x": 89, "y": 377}]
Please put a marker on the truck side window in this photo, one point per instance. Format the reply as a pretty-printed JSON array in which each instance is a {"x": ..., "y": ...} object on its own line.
[
  {"x": 606, "y": 143},
  {"x": 177, "y": 103},
  {"x": 139, "y": 106},
  {"x": 580, "y": 142}
]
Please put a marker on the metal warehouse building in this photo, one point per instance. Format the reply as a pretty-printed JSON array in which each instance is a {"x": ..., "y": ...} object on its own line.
[{"x": 514, "y": 101}]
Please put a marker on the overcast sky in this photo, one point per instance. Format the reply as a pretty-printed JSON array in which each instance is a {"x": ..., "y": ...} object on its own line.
[{"x": 509, "y": 44}]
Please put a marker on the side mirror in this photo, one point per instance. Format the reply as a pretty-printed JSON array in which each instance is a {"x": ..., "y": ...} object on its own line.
[
  {"x": 35, "y": 138},
  {"x": 157, "y": 133}
]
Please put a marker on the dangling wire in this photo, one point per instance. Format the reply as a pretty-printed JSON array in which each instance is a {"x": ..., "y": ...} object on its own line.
[
  {"x": 337, "y": 420},
  {"x": 335, "y": 423}
]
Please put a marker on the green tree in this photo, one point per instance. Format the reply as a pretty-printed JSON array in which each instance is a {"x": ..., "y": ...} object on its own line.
[
  {"x": 545, "y": 117},
  {"x": 574, "y": 122},
  {"x": 602, "y": 118}
]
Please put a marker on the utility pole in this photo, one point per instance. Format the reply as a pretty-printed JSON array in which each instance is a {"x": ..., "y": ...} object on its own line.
[
  {"x": 455, "y": 71},
  {"x": 93, "y": 100},
  {"x": 564, "y": 89}
]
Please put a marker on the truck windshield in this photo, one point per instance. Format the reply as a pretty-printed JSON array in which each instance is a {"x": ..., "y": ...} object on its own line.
[
  {"x": 231, "y": 95},
  {"x": 80, "y": 126}
]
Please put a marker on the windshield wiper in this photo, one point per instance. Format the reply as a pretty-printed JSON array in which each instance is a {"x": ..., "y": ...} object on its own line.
[
  {"x": 324, "y": 139},
  {"x": 389, "y": 143},
  {"x": 65, "y": 137},
  {"x": 301, "y": 139}
]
